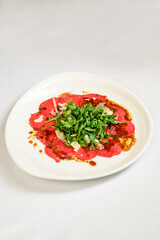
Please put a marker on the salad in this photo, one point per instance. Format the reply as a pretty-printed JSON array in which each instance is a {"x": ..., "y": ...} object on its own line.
[{"x": 81, "y": 127}]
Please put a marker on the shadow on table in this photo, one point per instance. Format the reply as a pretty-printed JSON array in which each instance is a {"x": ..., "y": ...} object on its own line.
[{"x": 19, "y": 179}]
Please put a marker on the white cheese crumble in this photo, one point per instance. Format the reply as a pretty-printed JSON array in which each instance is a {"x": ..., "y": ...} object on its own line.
[
  {"x": 108, "y": 111},
  {"x": 40, "y": 119},
  {"x": 99, "y": 145},
  {"x": 62, "y": 106},
  {"x": 60, "y": 135},
  {"x": 54, "y": 104},
  {"x": 87, "y": 139},
  {"x": 52, "y": 112},
  {"x": 76, "y": 146}
]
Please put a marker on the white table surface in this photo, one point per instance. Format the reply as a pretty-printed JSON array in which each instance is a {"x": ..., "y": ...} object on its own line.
[{"x": 118, "y": 39}]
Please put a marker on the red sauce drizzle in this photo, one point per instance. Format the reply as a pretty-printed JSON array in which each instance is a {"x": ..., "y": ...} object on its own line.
[{"x": 92, "y": 163}]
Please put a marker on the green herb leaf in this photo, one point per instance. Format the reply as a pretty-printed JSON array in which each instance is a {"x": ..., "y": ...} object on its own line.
[{"x": 78, "y": 121}]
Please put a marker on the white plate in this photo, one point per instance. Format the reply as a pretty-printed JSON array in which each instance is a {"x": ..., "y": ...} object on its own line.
[{"x": 31, "y": 161}]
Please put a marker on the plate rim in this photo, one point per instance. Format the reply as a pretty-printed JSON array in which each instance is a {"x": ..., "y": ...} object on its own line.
[{"x": 95, "y": 176}]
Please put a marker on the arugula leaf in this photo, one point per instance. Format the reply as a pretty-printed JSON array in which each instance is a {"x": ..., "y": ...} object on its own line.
[
  {"x": 90, "y": 129},
  {"x": 77, "y": 122}
]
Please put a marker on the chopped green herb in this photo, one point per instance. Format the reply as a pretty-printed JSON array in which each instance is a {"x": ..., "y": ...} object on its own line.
[
  {"x": 84, "y": 124},
  {"x": 52, "y": 119},
  {"x": 49, "y": 120},
  {"x": 105, "y": 142}
]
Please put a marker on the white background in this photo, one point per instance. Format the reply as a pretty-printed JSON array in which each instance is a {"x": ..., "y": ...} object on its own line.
[{"x": 118, "y": 39}]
